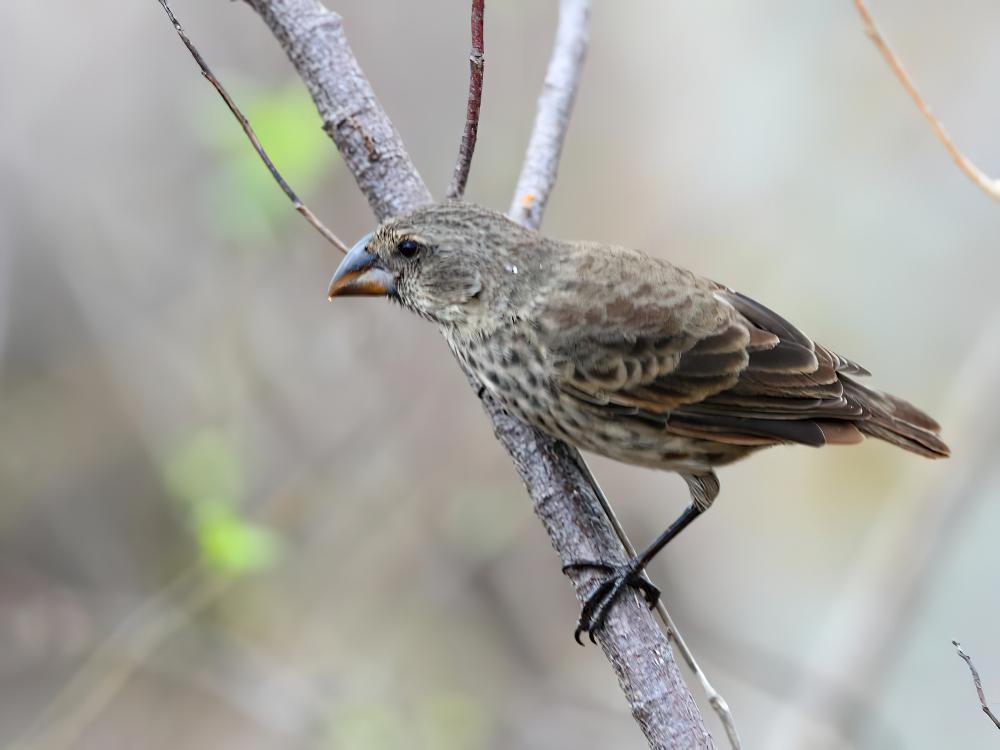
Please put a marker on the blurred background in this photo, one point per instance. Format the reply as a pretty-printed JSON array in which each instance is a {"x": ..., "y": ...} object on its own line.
[{"x": 235, "y": 516}]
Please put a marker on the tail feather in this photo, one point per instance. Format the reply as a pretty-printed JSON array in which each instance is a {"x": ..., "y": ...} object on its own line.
[{"x": 896, "y": 421}]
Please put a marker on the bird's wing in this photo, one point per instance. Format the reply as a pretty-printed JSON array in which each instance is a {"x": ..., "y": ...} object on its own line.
[{"x": 630, "y": 336}]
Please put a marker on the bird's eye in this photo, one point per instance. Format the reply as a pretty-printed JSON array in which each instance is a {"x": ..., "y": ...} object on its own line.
[{"x": 409, "y": 248}]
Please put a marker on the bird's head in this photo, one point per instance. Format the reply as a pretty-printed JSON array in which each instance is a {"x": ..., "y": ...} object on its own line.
[{"x": 454, "y": 263}]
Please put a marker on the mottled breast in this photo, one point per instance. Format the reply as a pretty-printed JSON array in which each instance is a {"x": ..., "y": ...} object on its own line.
[{"x": 513, "y": 366}]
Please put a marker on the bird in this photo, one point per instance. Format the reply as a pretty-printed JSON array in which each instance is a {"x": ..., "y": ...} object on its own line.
[{"x": 622, "y": 354}]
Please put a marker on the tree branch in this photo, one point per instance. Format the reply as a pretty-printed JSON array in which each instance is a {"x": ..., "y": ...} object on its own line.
[
  {"x": 314, "y": 40},
  {"x": 477, "y": 63},
  {"x": 714, "y": 697},
  {"x": 538, "y": 177},
  {"x": 978, "y": 683},
  {"x": 541, "y": 162},
  {"x": 986, "y": 183}
]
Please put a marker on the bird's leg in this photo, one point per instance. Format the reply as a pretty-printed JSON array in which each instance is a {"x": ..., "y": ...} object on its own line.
[
  {"x": 595, "y": 609},
  {"x": 704, "y": 488}
]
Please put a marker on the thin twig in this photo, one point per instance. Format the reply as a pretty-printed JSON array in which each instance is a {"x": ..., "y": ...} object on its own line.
[
  {"x": 301, "y": 207},
  {"x": 541, "y": 162},
  {"x": 372, "y": 149},
  {"x": 477, "y": 63},
  {"x": 977, "y": 682},
  {"x": 538, "y": 177},
  {"x": 988, "y": 185},
  {"x": 714, "y": 697}
]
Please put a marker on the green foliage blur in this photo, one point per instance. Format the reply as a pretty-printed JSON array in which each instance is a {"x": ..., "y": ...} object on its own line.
[
  {"x": 204, "y": 475},
  {"x": 248, "y": 203}
]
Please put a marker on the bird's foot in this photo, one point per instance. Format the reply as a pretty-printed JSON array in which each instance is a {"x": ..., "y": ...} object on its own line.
[{"x": 619, "y": 579}]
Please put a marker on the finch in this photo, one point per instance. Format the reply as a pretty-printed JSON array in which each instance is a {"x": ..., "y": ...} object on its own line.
[{"x": 624, "y": 355}]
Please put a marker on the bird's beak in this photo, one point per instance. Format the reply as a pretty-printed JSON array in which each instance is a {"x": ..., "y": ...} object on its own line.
[{"x": 360, "y": 274}]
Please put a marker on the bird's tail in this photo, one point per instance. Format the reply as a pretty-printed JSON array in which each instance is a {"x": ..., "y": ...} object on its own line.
[{"x": 896, "y": 421}]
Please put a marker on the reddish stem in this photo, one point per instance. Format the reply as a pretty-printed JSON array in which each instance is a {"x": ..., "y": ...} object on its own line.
[{"x": 477, "y": 61}]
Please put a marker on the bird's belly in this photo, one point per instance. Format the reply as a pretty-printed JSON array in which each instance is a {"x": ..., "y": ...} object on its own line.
[
  {"x": 628, "y": 440},
  {"x": 512, "y": 369}
]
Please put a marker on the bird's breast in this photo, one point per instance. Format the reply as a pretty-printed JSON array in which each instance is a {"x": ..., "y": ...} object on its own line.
[
  {"x": 517, "y": 371},
  {"x": 511, "y": 365}
]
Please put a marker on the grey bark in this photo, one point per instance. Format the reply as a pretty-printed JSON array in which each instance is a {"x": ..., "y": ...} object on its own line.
[
  {"x": 638, "y": 650},
  {"x": 555, "y": 105},
  {"x": 314, "y": 40}
]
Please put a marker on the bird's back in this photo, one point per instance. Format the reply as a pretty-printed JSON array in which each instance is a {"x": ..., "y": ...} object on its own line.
[{"x": 634, "y": 358}]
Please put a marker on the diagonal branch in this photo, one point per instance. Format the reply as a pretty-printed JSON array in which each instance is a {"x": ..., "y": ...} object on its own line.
[
  {"x": 313, "y": 38},
  {"x": 713, "y": 696},
  {"x": 477, "y": 63},
  {"x": 977, "y": 682},
  {"x": 986, "y": 183},
  {"x": 301, "y": 207}
]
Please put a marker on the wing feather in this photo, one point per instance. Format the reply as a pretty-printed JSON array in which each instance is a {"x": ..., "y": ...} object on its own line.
[{"x": 670, "y": 348}]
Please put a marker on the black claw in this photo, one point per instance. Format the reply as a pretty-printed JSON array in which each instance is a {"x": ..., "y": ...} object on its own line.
[
  {"x": 587, "y": 564},
  {"x": 601, "y": 613},
  {"x": 598, "y": 604}
]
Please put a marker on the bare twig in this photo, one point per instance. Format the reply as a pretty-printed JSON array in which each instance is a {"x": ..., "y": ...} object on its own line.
[
  {"x": 538, "y": 177},
  {"x": 714, "y": 697},
  {"x": 986, "y": 183},
  {"x": 639, "y": 652},
  {"x": 541, "y": 163},
  {"x": 477, "y": 62},
  {"x": 977, "y": 682},
  {"x": 373, "y": 151},
  {"x": 301, "y": 207}
]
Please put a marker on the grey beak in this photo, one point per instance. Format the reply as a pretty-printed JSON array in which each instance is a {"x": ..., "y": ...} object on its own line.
[{"x": 361, "y": 274}]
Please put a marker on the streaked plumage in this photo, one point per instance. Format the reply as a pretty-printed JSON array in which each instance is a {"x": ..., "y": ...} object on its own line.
[{"x": 622, "y": 354}]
